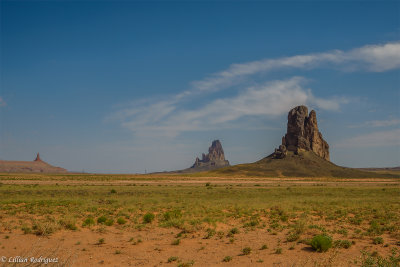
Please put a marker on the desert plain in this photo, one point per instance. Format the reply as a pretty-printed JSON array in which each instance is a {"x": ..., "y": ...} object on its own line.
[{"x": 192, "y": 220}]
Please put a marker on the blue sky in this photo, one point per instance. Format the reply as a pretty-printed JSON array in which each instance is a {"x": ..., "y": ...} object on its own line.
[{"x": 125, "y": 87}]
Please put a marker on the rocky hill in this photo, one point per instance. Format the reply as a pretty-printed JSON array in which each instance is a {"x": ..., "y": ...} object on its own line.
[
  {"x": 303, "y": 153},
  {"x": 38, "y": 165}
]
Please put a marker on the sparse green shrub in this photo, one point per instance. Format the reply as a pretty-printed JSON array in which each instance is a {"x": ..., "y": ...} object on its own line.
[
  {"x": 180, "y": 234},
  {"x": 373, "y": 259},
  {"x": 109, "y": 222},
  {"x": 343, "y": 232},
  {"x": 321, "y": 228},
  {"x": 278, "y": 212},
  {"x": 186, "y": 264},
  {"x": 299, "y": 227},
  {"x": 252, "y": 223},
  {"x": 118, "y": 252},
  {"x": 220, "y": 234},
  {"x": 176, "y": 242},
  {"x": 135, "y": 242},
  {"x": 26, "y": 229},
  {"x": 45, "y": 228},
  {"x": 227, "y": 259},
  {"x": 171, "y": 259},
  {"x": 293, "y": 236},
  {"x": 173, "y": 214},
  {"x": 321, "y": 243},
  {"x": 233, "y": 231},
  {"x": 210, "y": 233},
  {"x": 101, "y": 241},
  {"x": 375, "y": 228},
  {"x": 278, "y": 251},
  {"x": 101, "y": 219},
  {"x": 172, "y": 219},
  {"x": 71, "y": 226},
  {"x": 68, "y": 223},
  {"x": 355, "y": 220},
  {"x": 121, "y": 220},
  {"x": 148, "y": 217},
  {"x": 377, "y": 240},
  {"x": 342, "y": 244},
  {"x": 263, "y": 247},
  {"x": 88, "y": 222},
  {"x": 246, "y": 251},
  {"x": 113, "y": 191},
  {"x": 276, "y": 225}
]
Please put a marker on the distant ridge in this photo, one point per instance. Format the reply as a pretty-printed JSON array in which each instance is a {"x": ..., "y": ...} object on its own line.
[{"x": 38, "y": 165}]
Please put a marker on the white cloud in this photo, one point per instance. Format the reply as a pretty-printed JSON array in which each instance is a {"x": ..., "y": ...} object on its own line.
[
  {"x": 2, "y": 102},
  {"x": 377, "y": 58},
  {"x": 375, "y": 139},
  {"x": 166, "y": 118},
  {"x": 378, "y": 123},
  {"x": 374, "y": 58}
]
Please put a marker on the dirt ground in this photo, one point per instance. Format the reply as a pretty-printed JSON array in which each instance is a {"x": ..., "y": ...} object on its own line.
[{"x": 153, "y": 247}]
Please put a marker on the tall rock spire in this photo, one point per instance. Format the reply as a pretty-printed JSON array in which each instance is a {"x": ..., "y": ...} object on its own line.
[{"x": 303, "y": 133}]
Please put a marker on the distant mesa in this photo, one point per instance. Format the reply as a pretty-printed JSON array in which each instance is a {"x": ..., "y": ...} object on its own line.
[
  {"x": 302, "y": 135},
  {"x": 37, "y": 166}
]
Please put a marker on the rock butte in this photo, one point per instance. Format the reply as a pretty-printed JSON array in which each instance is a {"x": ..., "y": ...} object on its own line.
[{"x": 302, "y": 134}]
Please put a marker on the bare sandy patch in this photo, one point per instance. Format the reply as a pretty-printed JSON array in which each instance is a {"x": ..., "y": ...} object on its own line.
[{"x": 154, "y": 246}]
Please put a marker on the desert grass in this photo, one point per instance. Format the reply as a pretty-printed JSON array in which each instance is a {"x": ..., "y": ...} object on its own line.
[{"x": 375, "y": 208}]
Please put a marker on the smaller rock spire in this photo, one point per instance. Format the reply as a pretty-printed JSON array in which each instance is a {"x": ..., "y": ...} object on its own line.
[
  {"x": 38, "y": 157},
  {"x": 215, "y": 156}
]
